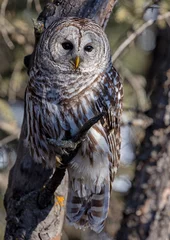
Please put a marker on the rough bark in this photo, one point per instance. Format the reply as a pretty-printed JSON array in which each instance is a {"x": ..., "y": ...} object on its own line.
[
  {"x": 146, "y": 216},
  {"x": 25, "y": 219},
  {"x": 97, "y": 10}
]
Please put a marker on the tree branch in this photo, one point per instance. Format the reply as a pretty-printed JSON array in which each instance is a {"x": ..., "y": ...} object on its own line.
[
  {"x": 97, "y": 10},
  {"x": 3, "y": 28},
  {"x": 146, "y": 214},
  {"x": 137, "y": 33}
]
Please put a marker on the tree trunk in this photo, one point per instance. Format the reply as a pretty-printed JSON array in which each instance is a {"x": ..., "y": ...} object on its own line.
[
  {"x": 25, "y": 220},
  {"x": 146, "y": 215}
]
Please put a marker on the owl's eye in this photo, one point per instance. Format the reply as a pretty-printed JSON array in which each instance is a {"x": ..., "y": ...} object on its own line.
[
  {"x": 67, "y": 45},
  {"x": 88, "y": 48}
]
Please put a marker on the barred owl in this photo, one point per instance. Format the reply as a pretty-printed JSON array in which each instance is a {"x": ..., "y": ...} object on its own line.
[{"x": 71, "y": 81}]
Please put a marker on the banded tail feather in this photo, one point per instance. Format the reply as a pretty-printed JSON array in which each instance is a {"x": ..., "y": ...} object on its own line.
[{"x": 83, "y": 212}]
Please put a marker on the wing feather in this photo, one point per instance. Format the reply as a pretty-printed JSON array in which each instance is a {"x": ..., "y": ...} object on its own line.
[{"x": 110, "y": 101}]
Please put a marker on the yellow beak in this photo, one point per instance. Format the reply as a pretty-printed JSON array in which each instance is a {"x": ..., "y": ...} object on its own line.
[{"x": 77, "y": 62}]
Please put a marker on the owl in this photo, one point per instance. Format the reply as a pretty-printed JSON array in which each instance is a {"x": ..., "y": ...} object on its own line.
[{"x": 71, "y": 81}]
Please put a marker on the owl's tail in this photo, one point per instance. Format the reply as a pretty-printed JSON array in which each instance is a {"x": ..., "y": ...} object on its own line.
[{"x": 88, "y": 212}]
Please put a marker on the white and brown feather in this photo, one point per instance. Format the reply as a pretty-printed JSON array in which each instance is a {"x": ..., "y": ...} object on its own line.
[{"x": 59, "y": 101}]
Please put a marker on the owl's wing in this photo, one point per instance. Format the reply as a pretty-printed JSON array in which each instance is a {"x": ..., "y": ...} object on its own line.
[
  {"x": 88, "y": 202},
  {"x": 110, "y": 101}
]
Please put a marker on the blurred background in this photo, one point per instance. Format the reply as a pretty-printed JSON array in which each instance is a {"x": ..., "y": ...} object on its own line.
[{"x": 132, "y": 42}]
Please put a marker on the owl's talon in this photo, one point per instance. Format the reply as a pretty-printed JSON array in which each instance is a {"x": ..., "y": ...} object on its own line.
[
  {"x": 67, "y": 147},
  {"x": 63, "y": 147}
]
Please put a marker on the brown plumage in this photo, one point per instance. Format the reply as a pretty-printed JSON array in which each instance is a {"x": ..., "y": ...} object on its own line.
[{"x": 72, "y": 80}]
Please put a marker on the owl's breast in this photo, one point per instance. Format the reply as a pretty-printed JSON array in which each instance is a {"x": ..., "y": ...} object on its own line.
[
  {"x": 68, "y": 102},
  {"x": 70, "y": 87}
]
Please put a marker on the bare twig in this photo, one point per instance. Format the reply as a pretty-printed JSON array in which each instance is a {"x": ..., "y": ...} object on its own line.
[
  {"x": 29, "y": 3},
  {"x": 8, "y": 139},
  {"x": 3, "y": 184},
  {"x": 137, "y": 83},
  {"x": 9, "y": 128},
  {"x": 12, "y": 89},
  {"x": 37, "y": 6},
  {"x": 3, "y": 23},
  {"x": 3, "y": 7},
  {"x": 134, "y": 35}
]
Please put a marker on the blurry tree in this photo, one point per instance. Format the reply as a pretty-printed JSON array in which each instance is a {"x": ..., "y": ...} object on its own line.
[{"x": 146, "y": 214}]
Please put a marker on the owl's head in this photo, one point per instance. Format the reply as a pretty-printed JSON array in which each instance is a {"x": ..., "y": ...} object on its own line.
[{"x": 74, "y": 45}]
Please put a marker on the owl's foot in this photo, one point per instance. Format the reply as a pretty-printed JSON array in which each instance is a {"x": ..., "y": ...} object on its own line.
[
  {"x": 66, "y": 147},
  {"x": 63, "y": 147}
]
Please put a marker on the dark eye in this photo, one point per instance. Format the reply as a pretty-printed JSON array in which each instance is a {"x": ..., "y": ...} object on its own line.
[
  {"x": 67, "y": 45},
  {"x": 88, "y": 48}
]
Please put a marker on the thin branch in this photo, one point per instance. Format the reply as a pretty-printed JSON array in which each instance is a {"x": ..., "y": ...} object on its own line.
[
  {"x": 9, "y": 128},
  {"x": 8, "y": 139},
  {"x": 3, "y": 7},
  {"x": 3, "y": 184},
  {"x": 37, "y": 6},
  {"x": 138, "y": 86},
  {"x": 12, "y": 89},
  {"x": 137, "y": 33},
  {"x": 29, "y": 3},
  {"x": 3, "y": 27}
]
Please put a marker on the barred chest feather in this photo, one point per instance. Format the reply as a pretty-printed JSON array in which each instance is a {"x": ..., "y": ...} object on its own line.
[{"x": 46, "y": 119}]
